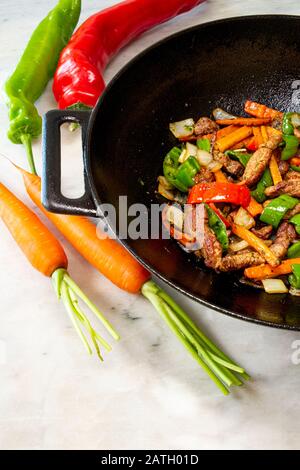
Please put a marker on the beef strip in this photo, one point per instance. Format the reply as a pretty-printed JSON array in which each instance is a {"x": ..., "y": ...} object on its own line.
[
  {"x": 233, "y": 167},
  {"x": 211, "y": 250},
  {"x": 205, "y": 126},
  {"x": 284, "y": 237},
  {"x": 292, "y": 175},
  {"x": 204, "y": 176},
  {"x": 293, "y": 212},
  {"x": 290, "y": 187},
  {"x": 263, "y": 232},
  {"x": 259, "y": 160}
]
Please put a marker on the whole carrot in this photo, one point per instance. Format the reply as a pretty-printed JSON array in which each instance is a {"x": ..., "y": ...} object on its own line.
[
  {"x": 110, "y": 258},
  {"x": 46, "y": 254}
]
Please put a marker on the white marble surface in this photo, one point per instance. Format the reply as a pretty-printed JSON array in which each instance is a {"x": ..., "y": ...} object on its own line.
[{"x": 148, "y": 393}]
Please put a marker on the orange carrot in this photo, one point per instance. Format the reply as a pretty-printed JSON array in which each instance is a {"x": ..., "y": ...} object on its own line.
[
  {"x": 272, "y": 131},
  {"x": 254, "y": 207},
  {"x": 244, "y": 121},
  {"x": 260, "y": 110},
  {"x": 295, "y": 161},
  {"x": 105, "y": 254},
  {"x": 258, "y": 137},
  {"x": 220, "y": 177},
  {"x": 38, "y": 244},
  {"x": 264, "y": 133},
  {"x": 274, "y": 170},
  {"x": 46, "y": 254},
  {"x": 256, "y": 243},
  {"x": 229, "y": 140},
  {"x": 265, "y": 271},
  {"x": 226, "y": 131},
  {"x": 242, "y": 144}
]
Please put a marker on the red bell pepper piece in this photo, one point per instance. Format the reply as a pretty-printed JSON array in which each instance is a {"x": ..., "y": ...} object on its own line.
[
  {"x": 252, "y": 145},
  {"x": 78, "y": 79},
  {"x": 220, "y": 192}
]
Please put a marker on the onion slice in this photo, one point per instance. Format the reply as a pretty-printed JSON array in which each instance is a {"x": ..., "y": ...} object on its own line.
[
  {"x": 274, "y": 286},
  {"x": 183, "y": 128}
]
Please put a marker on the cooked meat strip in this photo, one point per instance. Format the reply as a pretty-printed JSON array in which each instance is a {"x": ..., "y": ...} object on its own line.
[
  {"x": 293, "y": 212},
  {"x": 284, "y": 237},
  {"x": 241, "y": 260},
  {"x": 259, "y": 160},
  {"x": 233, "y": 167},
  {"x": 205, "y": 126},
  {"x": 204, "y": 176},
  {"x": 211, "y": 250},
  {"x": 292, "y": 175},
  {"x": 290, "y": 187},
  {"x": 283, "y": 167},
  {"x": 263, "y": 232}
]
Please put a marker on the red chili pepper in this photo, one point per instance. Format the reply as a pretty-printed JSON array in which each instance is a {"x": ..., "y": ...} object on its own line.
[
  {"x": 219, "y": 214},
  {"x": 220, "y": 192},
  {"x": 78, "y": 79},
  {"x": 252, "y": 145}
]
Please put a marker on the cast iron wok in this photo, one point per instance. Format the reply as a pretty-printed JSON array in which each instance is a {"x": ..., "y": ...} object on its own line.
[{"x": 126, "y": 138}]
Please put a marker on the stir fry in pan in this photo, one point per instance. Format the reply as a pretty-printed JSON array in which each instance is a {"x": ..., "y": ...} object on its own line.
[{"x": 244, "y": 172}]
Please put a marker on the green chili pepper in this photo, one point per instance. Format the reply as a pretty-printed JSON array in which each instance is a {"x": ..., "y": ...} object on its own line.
[
  {"x": 218, "y": 227},
  {"x": 35, "y": 69},
  {"x": 296, "y": 221},
  {"x": 291, "y": 147},
  {"x": 294, "y": 250},
  {"x": 242, "y": 157},
  {"x": 277, "y": 208},
  {"x": 287, "y": 126},
  {"x": 203, "y": 144},
  {"x": 265, "y": 181},
  {"x": 180, "y": 175},
  {"x": 294, "y": 279}
]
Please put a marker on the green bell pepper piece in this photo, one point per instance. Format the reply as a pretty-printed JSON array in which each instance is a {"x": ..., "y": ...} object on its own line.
[
  {"x": 218, "y": 227},
  {"x": 277, "y": 208},
  {"x": 294, "y": 279},
  {"x": 242, "y": 157},
  {"x": 294, "y": 250},
  {"x": 203, "y": 144},
  {"x": 296, "y": 221},
  {"x": 265, "y": 181},
  {"x": 181, "y": 176},
  {"x": 287, "y": 126},
  {"x": 291, "y": 147},
  {"x": 186, "y": 172}
]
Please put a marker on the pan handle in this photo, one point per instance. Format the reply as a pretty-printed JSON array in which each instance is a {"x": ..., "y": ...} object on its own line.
[{"x": 52, "y": 198}]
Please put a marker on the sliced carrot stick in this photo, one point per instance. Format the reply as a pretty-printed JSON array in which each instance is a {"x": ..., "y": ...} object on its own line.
[
  {"x": 229, "y": 140},
  {"x": 256, "y": 243},
  {"x": 260, "y": 110},
  {"x": 105, "y": 254},
  {"x": 244, "y": 121},
  {"x": 258, "y": 137},
  {"x": 243, "y": 144},
  {"x": 264, "y": 134},
  {"x": 226, "y": 131},
  {"x": 40, "y": 247},
  {"x": 220, "y": 177},
  {"x": 254, "y": 207},
  {"x": 265, "y": 271},
  {"x": 275, "y": 173}
]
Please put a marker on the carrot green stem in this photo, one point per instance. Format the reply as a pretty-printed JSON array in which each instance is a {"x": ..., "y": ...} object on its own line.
[
  {"x": 220, "y": 368},
  {"x": 67, "y": 290},
  {"x": 26, "y": 141}
]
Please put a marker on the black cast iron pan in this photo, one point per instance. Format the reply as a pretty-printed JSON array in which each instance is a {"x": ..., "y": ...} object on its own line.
[{"x": 126, "y": 137}]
